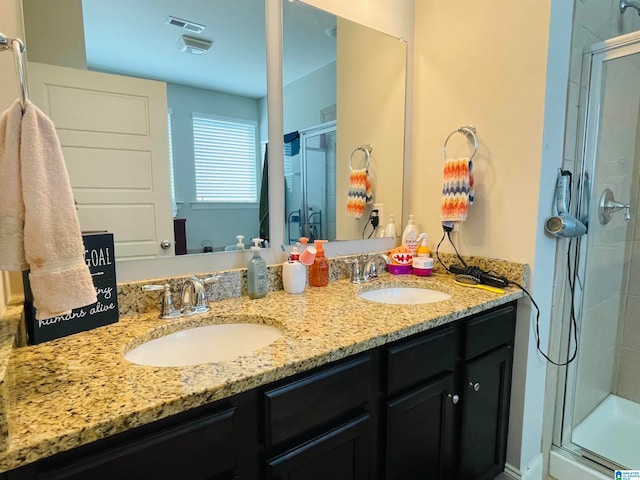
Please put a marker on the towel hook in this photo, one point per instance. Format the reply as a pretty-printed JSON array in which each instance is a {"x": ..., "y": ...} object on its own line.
[
  {"x": 467, "y": 130},
  {"x": 18, "y": 48},
  {"x": 367, "y": 151}
]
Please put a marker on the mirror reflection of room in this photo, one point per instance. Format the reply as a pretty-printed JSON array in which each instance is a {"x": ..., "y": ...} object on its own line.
[
  {"x": 354, "y": 97},
  {"x": 143, "y": 207},
  {"x": 197, "y": 176}
]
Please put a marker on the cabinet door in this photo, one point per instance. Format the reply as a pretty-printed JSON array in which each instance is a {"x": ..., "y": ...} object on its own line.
[
  {"x": 485, "y": 415},
  {"x": 200, "y": 449},
  {"x": 343, "y": 453},
  {"x": 420, "y": 436}
]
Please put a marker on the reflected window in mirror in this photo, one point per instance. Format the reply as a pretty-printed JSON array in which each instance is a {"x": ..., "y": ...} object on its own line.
[{"x": 225, "y": 160}]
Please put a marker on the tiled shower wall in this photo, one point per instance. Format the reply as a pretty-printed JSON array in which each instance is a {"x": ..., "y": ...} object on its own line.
[
  {"x": 594, "y": 21},
  {"x": 627, "y": 381}
]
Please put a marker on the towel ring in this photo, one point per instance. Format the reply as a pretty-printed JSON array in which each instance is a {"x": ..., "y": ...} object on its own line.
[
  {"x": 367, "y": 151},
  {"x": 18, "y": 48},
  {"x": 467, "y": 131}
]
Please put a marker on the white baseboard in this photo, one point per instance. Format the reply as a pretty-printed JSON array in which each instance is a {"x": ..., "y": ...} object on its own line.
[
  {"x": 534, "y": 470},
  {"x": 564, "y": 468}
]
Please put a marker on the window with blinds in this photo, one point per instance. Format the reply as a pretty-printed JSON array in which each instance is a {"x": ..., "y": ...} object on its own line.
[{"x": 225, "y": 159}]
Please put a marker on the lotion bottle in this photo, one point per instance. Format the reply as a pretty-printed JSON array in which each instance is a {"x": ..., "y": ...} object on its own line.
[
  {"x": 423, "y": 263},
  {"x": 410, "y": 236},
  {"x": 257, "y": 278},
  {"x": 319, "y": 270},
  {"x": 294, "y": 273}
]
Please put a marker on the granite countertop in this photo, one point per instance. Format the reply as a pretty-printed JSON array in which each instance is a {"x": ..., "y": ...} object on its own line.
[{"x": 78, "y": 389}]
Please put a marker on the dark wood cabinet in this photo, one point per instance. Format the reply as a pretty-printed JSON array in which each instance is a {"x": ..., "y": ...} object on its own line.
[
  {"x": 485, "y": 414},
  {"x": 419, "y": 432},
  {"x": 447, "y": 404},
  {"x": 342, "y": 453},
  {"x": 321, "y": 425},
  {"x": 432, "y": 406}
]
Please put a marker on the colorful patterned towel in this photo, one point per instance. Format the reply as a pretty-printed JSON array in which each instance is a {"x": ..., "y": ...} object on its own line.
[
  {"x": 457, "y": 190},
  {"x": 359, "y": 194}
]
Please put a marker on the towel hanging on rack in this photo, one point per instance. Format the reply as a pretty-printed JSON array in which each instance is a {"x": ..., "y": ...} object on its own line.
[
  {"x": 39, "y": 226},
  {"x": 457, "y": 190},
  {"x": 360, "y": 193},
  {"x": 458, "y": 182}
]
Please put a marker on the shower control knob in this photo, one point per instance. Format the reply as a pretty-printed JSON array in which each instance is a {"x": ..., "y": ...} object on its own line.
[
  {"x": 454, "y": 398},
  {"x": 474, "y": 386}
]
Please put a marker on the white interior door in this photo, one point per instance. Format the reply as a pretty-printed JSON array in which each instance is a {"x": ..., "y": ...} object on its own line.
[{"x": 113, "y": 132}]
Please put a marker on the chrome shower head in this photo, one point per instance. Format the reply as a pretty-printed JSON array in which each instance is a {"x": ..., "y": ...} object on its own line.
[{"x": 624, "y": 4}]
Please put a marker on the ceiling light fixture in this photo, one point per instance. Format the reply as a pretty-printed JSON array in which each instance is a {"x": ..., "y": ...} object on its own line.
[{"x": 194, "y": 46}]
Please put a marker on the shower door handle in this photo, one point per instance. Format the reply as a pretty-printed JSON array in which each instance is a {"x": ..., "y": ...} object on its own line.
[{"x": 608, "y": 206}]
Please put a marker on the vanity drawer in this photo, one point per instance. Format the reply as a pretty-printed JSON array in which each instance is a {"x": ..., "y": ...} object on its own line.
[
  {"x": 490, "y": 330},
  {"x": 318, "y": 399},
  {"x": 411, "y": 362}
]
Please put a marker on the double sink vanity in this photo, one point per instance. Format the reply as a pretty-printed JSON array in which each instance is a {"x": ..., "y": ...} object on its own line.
[{"x": 336, "y": 386}]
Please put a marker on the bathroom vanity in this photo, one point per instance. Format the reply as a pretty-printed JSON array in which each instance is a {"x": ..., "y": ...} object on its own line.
[{"x": 352, "y": 389}]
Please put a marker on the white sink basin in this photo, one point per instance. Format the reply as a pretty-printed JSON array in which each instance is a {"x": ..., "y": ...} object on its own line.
[
  {"x": 205, "y": 344},
  {"x": 404, "y": 295}
]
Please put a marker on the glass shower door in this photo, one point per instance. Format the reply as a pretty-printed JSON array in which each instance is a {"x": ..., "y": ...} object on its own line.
[
  {"x": 602, "y": 392},
  {"x": 310, "y": 183}
]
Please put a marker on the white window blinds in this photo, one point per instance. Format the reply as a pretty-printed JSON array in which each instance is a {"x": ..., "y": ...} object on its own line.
[{"x": 225, "y": 159}]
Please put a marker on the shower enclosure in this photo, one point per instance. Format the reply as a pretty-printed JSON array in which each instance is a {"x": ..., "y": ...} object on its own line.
[
  {"x": 310, "y": 184},
  {"x": 598, "y": 420}
]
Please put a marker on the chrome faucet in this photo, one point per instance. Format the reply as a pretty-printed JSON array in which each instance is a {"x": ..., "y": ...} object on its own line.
[
  {"x": 370, "y": 270},
  {"x": 193, "y": 298},
  {"x": 364, "y": 268}
]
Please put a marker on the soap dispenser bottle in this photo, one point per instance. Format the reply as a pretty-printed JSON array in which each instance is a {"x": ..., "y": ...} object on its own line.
[
  {"x": 257, "y": 272},
  {"x": 294, "y": 273},
  {"x": 410, "y": 236},
  {"x": 240, "y": 242},
  {"x": 319, "y": 270},
  {"x": 390, "y": 229},
  {"x": 423, "y": 263}
]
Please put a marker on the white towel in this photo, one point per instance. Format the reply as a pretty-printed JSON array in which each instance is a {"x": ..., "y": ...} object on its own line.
[{"x": 40, "y": 208}]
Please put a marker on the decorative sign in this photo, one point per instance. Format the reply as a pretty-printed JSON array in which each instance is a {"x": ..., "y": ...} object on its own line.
[{"x": 99, "y": 257}]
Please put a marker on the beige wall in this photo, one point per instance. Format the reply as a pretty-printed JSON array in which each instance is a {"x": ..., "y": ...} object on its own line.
[
  {"x": 482, "y": 63},
  {"x": 53, "y": 31},
  {"x": 369, "y": 66}
]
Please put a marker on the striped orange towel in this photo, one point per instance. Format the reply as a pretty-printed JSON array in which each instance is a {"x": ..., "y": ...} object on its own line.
[
  {"x": 457, "y": 190},
  {"x": 359, "y": 194}
]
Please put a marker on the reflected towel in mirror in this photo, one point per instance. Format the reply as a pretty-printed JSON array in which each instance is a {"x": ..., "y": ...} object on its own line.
[{"x": 360, "y": 193}]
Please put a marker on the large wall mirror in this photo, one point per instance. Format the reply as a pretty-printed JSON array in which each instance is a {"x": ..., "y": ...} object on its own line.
[
  {"x": 344, "y": 88},
  {"x": 350, "y": 80}
]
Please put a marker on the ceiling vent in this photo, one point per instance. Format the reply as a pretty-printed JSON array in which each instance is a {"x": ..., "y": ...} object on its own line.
[
  {"x": 194, "y": 46},
  {"x": 185, "y": 24}
]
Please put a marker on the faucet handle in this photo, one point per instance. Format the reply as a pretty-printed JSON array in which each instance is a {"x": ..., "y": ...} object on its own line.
[
  {"x": 370, "y": 267},
  {"x": 202, "y": 301},
  {"x": 356, "y": 271},
  {"x": 167, "y": 309}
]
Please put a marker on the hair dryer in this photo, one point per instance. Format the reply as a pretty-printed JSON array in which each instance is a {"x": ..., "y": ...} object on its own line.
[{"x": 562, "y": 224}]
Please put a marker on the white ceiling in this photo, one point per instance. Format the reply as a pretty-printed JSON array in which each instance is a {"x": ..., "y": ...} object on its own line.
[{"x": 131, "y": 37}]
